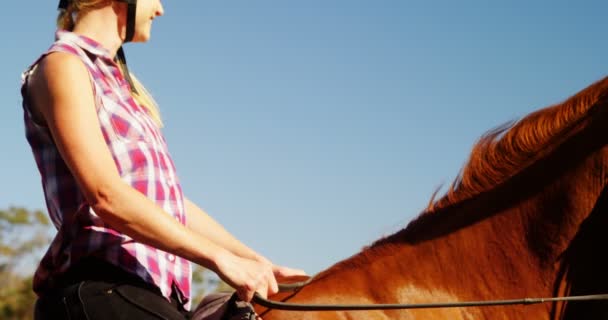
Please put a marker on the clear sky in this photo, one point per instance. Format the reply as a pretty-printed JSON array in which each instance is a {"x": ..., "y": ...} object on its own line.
[{"x": 312, "y": 128}]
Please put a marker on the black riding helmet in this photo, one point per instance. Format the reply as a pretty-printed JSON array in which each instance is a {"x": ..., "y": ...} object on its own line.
[{"x": 120, "y": 55}]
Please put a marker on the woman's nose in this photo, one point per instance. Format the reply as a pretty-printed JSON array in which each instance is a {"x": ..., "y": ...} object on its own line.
[{"x": 160, "y": 10}]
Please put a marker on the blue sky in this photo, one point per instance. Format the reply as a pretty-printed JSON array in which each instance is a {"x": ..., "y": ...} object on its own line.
[{"x": 312, "y": 128}]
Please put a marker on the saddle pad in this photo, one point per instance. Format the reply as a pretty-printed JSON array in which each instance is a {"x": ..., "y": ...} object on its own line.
[{"x": 223, "y": 306}]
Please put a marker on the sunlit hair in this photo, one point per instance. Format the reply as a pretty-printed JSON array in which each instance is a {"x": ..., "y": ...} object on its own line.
[{"x": 65, "y": 21}]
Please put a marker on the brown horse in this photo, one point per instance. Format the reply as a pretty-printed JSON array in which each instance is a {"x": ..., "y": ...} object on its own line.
[{"x": 525, "y": 218}]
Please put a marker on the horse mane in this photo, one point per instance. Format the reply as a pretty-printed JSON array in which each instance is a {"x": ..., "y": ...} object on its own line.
[
  {"x": 505, "y": 150},
  {"x": 509, "y": 148},
  {"x": 498, "y": 155}
]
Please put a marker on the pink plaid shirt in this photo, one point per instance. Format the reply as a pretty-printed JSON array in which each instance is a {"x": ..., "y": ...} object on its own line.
[{"x": 143, "y": 161}]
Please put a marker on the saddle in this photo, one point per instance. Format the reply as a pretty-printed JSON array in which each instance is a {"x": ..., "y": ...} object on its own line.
[
  {"x": 227, "y": 306},
  {"x": 223, "y": 306}
]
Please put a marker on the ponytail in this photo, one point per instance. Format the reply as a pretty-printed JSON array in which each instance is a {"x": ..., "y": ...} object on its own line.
[{"x": 145, "y": 100}]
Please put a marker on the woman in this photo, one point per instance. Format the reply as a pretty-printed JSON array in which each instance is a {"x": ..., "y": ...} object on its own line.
[{"x": 126, "y": 233}]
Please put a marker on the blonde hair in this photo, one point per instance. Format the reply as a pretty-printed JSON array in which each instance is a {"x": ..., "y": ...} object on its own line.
[{"x": 65, "y": 21}]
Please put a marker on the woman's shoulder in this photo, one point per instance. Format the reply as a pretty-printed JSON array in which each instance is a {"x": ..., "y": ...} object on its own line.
[
  {"x": 56, "y": 74},
  {"x": 59, "y": 66},
  {"x": 54, "y": 80},
  {"x": 60, "y": 53}
]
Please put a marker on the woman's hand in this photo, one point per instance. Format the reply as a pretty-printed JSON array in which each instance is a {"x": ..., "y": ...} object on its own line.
[
  {"x": 246, "y": 276},
  {"x": 280, "y": 272}
]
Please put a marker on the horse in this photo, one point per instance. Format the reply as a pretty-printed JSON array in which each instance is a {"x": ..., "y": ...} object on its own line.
[{"x": 525, "y": 217}]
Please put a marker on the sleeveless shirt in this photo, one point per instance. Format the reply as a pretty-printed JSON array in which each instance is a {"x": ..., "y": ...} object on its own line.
[{"x": 143, "y": 161}]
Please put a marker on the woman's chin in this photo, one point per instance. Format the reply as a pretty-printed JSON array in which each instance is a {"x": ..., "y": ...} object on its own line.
[{"x": 141, "y": 37}]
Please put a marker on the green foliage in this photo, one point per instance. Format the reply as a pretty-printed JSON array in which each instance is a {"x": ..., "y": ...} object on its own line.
[
  {"x": 21, "y": 216},
  {"x": 23, "y": 234},
  {"x": 17, "y": 298}
]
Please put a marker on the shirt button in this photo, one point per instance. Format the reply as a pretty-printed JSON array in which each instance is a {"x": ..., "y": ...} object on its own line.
[{"x": 170, "y": 257}]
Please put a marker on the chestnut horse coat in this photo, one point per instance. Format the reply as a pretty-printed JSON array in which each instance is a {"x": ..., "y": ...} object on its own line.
[{"x": 526, "y": 217}]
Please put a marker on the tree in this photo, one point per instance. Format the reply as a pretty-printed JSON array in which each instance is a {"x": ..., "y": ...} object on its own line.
[{"x": 23, "y": 234}]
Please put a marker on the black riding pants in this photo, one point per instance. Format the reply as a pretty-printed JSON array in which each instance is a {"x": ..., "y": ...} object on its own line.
[{"x": 95, "y": 290}]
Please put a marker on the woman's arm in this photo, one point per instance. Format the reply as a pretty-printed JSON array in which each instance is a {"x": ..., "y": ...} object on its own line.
[
  {"x": 202, "y": 223},
  {"x": 61, "y": 91},
  {"x": 199, "y": 221}
]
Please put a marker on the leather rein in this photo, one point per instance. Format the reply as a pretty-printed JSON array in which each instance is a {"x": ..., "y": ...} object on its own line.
[{"x": 391, "y": 306}]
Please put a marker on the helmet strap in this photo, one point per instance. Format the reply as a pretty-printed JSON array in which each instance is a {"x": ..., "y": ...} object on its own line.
[
  {"x": 120, "y": 54},
  {"x": 131, "y": 16}
]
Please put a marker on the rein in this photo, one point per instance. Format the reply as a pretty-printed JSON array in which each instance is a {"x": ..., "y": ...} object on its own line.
[{"x": 391, "y": 306}]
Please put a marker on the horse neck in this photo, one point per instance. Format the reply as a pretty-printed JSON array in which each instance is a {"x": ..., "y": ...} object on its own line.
[
  {"x": 528, "y": 237},
  {"x": 513, "y": 253},
  {"x": 518, "y": 248}
]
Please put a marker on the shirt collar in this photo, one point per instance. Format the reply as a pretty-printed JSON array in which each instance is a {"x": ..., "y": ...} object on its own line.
[{"x": 84, "y": 42}]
